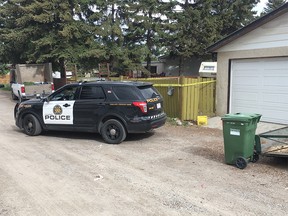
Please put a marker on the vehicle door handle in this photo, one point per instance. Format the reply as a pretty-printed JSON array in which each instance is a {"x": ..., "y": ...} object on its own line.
[{"x": 66, "y": 105}]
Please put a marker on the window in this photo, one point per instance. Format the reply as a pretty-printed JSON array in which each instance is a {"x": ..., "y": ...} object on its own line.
[
  {"x": 125, "y": 93},
  {"x": 66, "y": 94},
  {"x": 153, "y": 69},
  {"x": 149, "y": 92},
  {"x": 92, "y": 92}
]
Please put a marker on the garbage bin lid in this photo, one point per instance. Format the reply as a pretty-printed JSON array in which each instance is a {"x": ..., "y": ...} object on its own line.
[{"x": 241, "y": 117}]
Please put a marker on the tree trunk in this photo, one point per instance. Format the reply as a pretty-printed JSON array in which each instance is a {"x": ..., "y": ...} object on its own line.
[
  {"x": 148, "y": 64},
  {"x": 180, "y": 71},
  {"x": 62, "y": 67},
  {"x": 149, "y": 46},
  {"x": 111, "y": 57}
]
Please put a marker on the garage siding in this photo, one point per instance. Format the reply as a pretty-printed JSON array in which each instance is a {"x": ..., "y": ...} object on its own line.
[
  {"x": 270, "y": 35},
  {"x": 260, "y": 86}
]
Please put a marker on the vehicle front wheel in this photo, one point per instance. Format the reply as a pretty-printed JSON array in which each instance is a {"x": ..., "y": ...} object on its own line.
[
  {"x": 31, "y": 125},
  {"x": 113, "y": 131}
]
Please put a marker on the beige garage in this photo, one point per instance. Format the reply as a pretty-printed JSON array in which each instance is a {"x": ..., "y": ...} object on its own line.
[{"x": 253, "y": 68}]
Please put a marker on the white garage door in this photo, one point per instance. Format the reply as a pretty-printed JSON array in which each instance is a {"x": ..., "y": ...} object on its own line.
[{"x": 260, "y": 86}]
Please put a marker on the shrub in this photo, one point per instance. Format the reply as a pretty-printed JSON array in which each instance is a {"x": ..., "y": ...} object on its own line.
[{"x": 4, "y": 69}]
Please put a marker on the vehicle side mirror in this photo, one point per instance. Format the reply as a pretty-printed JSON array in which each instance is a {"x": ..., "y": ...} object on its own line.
[{"x": 45, "y": 99}]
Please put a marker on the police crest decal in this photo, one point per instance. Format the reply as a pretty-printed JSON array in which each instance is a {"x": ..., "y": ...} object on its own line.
[{"x": 57, "y": 110}]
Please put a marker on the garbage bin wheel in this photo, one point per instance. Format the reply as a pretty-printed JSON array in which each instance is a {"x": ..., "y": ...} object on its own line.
[
  {"x": 241, "y": 162},
  {"x": 255, "y": 157}
]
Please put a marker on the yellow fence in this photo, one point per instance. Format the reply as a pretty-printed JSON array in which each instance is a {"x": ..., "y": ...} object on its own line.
[{"x": 185, "y": 97}]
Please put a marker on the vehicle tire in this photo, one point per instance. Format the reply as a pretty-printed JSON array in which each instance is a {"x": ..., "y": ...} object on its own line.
[
  {"x": 14, "y": 97},
  {"x": 241, "y": 162},
  {"x": 113, "y": 131},
  {"x": 31, "y": 125},
  {"x": 255, "y": 157}
]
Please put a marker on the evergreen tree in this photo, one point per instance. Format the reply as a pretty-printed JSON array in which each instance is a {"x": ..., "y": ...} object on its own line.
[
  {"x": 12, "y": 46},
  {"x": 145, "y": 22},
  {"x": 200, "y": 23},
  {"x": 123, "y": 33},
  {"x": 42, "y": 31},
  {"x": 191, "y": 29},
  {"x": 111, "y": 35},
  {"x": 108, "y": 19},
  {"x": 94, "y": 51},
  {"x": 272, "y": 5},
  {"x": 232, "y": 15}
]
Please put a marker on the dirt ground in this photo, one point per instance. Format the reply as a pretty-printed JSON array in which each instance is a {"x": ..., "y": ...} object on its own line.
[{"x": 175, "y": 170}]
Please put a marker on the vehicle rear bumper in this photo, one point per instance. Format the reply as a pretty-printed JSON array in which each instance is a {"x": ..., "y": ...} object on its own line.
[{"x": 143, "y": 125}]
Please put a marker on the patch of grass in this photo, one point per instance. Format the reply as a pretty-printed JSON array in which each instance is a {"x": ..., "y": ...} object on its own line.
[
  {"x": 171, "y": 121},
  {"x": 29, "y": 83},
  {"x": 6, "y": 87},
  {"x": 185, "y": 123},
  {"x": 177, "y": 122}
]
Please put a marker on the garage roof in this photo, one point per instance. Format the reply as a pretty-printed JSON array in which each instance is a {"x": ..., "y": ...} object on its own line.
[{"x": 259, "y": 22}]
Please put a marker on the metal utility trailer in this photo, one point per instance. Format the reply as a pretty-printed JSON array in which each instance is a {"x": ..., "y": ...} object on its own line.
[{"x": 272, "y": 143}]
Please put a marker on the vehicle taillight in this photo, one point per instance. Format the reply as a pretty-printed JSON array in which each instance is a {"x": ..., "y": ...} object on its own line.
[
  {"x": 22, "y": 89},
  {"x": 52, "y": 87},
  {"x": 141, "y": 105}
]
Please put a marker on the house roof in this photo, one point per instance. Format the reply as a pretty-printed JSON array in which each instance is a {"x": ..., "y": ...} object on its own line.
[{"x": 248, "y": 28}]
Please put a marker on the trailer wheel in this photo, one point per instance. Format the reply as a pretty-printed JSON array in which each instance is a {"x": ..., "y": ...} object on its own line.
[
  {"x": 255, "y": 157},
  {"x": 241, "y": 162},
  {"x": 31, "y": 125}
]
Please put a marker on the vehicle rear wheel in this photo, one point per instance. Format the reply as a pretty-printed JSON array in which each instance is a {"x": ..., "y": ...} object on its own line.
[
  {"x": 113, "y": 131},
  {"x": 31, "y": 125},
  {"x": 14, "y": 97}
]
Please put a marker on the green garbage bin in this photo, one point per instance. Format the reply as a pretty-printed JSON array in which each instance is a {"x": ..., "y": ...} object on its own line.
[{"x": 239, "y": 135}]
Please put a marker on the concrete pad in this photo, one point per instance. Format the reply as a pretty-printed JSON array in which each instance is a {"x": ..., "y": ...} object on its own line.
[{"x": 216, "y": 122}]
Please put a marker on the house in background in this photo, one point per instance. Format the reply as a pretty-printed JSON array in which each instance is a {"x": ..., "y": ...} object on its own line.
[
  {"x": 190, "y": 66},
  {"x": 157, "y": 67},
  {"x": 252, "y": 73},
  {"x": 170, "y": 66}
]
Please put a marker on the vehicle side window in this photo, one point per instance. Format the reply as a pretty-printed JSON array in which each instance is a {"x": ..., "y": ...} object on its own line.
[
  {"x": 125, "y": 93},
  {"x": 149, "y": 92},
  {"x": 92, "y": 92},
  {"x": 66, "y": 94}
]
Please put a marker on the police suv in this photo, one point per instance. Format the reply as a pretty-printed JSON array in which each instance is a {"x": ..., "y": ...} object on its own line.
[{"x": 112, "y": 109}]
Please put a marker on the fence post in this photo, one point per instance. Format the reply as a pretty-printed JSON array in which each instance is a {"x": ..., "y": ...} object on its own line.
[{"x": 182, "y": 96}]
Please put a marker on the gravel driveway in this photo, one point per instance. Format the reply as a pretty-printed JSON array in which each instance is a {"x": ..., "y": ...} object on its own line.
[{"x": 175, "y": 170}]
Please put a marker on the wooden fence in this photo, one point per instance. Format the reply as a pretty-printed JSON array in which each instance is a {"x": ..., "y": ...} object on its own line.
[
  {"x": 4, "y": 79},
  {"x": 185, "y": 97}
]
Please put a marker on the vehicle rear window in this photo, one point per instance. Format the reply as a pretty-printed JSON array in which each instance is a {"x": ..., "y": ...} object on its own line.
[
  {"x": 125, "y": 93},
  {"x": 149, "y": 92},
  {"x": 92, "y": 92}
]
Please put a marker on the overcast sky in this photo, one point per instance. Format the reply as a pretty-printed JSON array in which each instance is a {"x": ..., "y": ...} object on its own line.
[{"x": 260, "y": 6}]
